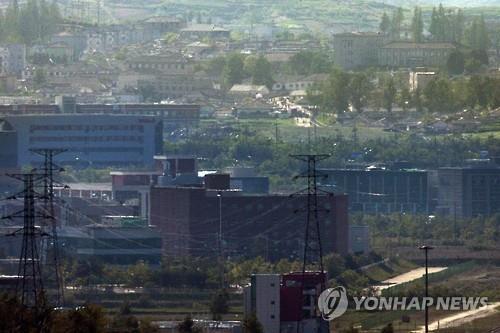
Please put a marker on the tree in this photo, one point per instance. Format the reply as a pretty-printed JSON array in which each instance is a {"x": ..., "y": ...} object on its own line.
[
  {"x": 309, "y": 62},
  {"x": 417, "y": 25},
  {"x": 252, "y": 325},
  {"x": 84, "y": 319},
  {"x": 385, "y": 23},
  {"x": 439, "y": 95},
  {"x": 439, "y": 24},
  {"x": 396, "y": 22},
  {"x": 476, "y": 36},
  {"x": 39, "y": 77},
  {"x": 456, "y": 63},
  {"x": 404, "y": 98},
  {"x": 458, "y": 26},
  {"x": 389, "y": 93},
  {"x": 219, "y": 304},
  {"x": 360, "y": 87},
  {"x": 262, "y": 72},
  {"x": 233, "y": 71},
  {"x": 188, "y": 326},
  {"x": 335, "y": 91}
]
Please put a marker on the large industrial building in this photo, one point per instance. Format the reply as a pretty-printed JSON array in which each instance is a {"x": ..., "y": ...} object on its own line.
[
  {"x": 469, "y": 191},
  {"x": 376, "y": 190},
  {"x": 123, "y": 244},
  {"x": 189, "y": 219},
  {"x": 90, "y": 140},
  {"x": 172, "y": 115}
]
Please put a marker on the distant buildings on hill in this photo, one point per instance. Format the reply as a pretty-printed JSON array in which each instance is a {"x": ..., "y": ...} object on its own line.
[{"x": 365, "y": 49}]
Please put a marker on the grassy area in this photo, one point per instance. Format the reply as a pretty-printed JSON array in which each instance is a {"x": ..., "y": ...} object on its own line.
[{"x": 288, "y": 130}]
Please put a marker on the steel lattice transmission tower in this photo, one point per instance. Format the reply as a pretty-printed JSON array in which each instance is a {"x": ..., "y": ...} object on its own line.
[
  {"x": 29, "y": 286},
  {"x": 51, "y": 249},
  {"x": 313, "y": 251}
]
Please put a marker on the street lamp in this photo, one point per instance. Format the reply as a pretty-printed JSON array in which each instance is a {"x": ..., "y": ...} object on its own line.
[
  {"x": 221, "y": 255},
  {"x": 426, "y": 249}
]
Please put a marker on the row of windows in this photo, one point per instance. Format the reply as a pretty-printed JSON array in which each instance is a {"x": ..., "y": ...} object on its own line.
[
  {"x": 156, "y": 66},
  {"x": 115, "y": 138},
  {"x": 413, "y": 53},
  {"x": 86, "y": 128}
]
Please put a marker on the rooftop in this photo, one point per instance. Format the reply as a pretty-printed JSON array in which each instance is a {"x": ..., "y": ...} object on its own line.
[
  {"x": 204, "y": 28},
  {"x": 359, "y": 34}
]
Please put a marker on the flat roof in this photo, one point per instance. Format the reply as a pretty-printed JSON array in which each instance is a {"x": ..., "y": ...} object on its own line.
[
  {"x": 89, "y": 186},
  {"x": 360, "y": 34},
  {"x": 136, "y": 173}
]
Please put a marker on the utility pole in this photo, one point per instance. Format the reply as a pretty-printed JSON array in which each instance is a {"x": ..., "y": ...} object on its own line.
[
  {"x": 29, "y": 285},
  {"x": 426, "y": 249},
  {"x": 222, "y": 279},
  {"x": 276, "y": 131},
  {"x": 52, "y": 245}
]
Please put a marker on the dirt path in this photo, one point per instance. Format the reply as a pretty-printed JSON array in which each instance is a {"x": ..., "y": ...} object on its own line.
[
  {"x": 406, "y": 277},
  {"x": 461, "y": 318}
]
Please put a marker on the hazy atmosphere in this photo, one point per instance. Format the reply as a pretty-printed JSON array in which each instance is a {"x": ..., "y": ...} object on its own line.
[{"x": 303, "y": 166}]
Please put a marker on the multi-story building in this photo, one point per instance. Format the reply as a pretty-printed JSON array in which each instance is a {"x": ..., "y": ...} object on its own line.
[
  {"x": 89, "y": 139},
  {"x": 286, "y": 303},
  {"x": 262, "y": 297},
  {"x": 114, "y": 36},
  {"x": 357, "y": 49},
  {"x": 115, "y": 244},
  {"x": 382, "y": 191},
  {"x": 168, "y": 64},
  {"x": 172, "y": 115},
  {"x": 411, "y": 55},
  {"x": 78, "y": 42},
  {"x": 176, "y": 85},
  {"x": 469, "y": 191},
  {"x": 200, "y": 31},
  {"x": 189, "y": 218}
]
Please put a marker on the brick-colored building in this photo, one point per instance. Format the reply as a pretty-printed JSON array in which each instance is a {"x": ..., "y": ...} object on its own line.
[{"x": 252, "y": 224}]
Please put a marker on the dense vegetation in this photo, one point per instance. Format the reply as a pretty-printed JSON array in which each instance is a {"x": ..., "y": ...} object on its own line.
[
  {"x": 245, "y": 147},
  {"x": 31, "y": 22}
]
